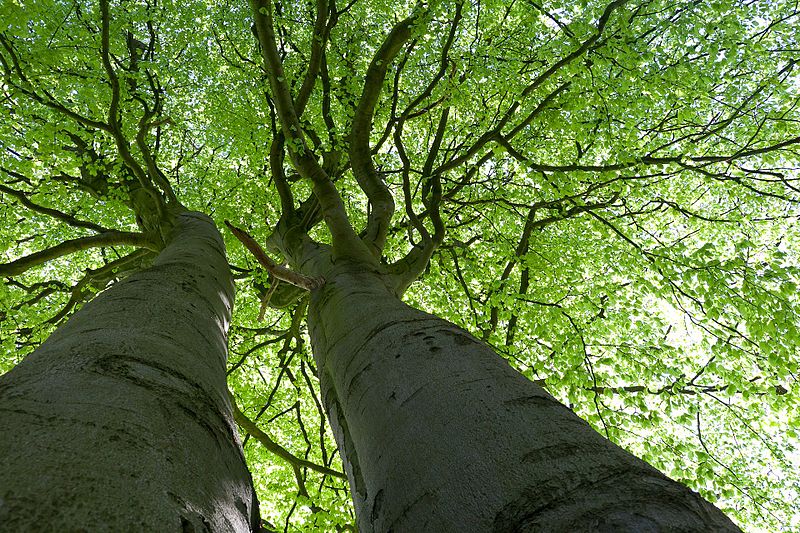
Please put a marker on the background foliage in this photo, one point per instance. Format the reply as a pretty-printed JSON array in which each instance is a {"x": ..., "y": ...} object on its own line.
[{"x": 619, "y": 186}]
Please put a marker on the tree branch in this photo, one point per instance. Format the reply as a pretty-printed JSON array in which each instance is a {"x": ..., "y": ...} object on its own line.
[
  {"x": 55, "y": 213},
  {"x": 318, "y": 39},
  {"x": 250, "y": 427},
  {"x": 380, "y": 198},
  {"x": 109, "y": 238},
  {"x": 47, "y": 101},
  {"x": 279, "y": 271},
  {"x": 345, "y": 240}
]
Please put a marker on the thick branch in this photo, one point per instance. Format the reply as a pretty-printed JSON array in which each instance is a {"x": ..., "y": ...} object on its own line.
[
  {"x": 345, "y": 240},
  {"x": 380, "y": 197},
  {"x": 111, "y": 238},
  {"x": 318, "y": 39}
]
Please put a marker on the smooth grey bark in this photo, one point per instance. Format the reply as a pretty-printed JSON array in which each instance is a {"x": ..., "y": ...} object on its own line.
[
  {"x": 121, "y": 421},
  {"x": 438, "y": 433}
]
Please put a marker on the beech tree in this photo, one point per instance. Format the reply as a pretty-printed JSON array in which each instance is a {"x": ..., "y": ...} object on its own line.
[{"x": 454, "y": 227}]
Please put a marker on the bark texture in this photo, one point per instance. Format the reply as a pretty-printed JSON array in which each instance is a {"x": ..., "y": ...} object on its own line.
[
  {"x": 438, "y": 433},
  {"x": 120, "y": 421}
]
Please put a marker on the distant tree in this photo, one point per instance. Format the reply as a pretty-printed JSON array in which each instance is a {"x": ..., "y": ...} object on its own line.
[{"x": 604, "y": 194}]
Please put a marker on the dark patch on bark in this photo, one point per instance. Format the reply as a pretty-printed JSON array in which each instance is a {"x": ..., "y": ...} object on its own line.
[
  {"x": 461, "y": 338},
  {"x": 429, "y": 340},
  {"x": 428, "y": 498},
  {"x": 217, "y": 433},
  {"x": 644, "y": 501},
  {"x": 191, "y": 521},
  {"x": 356, "y": 378},
  {"x": 383, "y": 326},
  {"x": 413, "y": 395},
  {"x": 550, "y": 453},
  {"x": 349, "y": 451},
  {"x": 188, "y": 285},
  {"x": 53, "y": 420},
  {"x": 536, "y": 400},
  {"x": 124, "y": 366},
  {"x": 192, "y": 404},
  {"x": 377, "y": 504},
  {"x": 194, "y": 524}
]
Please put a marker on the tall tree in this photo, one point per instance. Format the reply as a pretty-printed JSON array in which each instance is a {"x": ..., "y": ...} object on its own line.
[
  {"x": 603, "y": 193},
  {"x": 121, "y": 419}
]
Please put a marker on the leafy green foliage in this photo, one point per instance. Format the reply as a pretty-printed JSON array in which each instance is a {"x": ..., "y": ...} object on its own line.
[{"x": 652, "y": 150}]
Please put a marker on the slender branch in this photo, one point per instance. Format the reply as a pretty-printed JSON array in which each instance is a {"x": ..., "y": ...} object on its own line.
[
  {"x": 47, "y": 101},
  {"x": 495, "y": 133},
  {"x": 318, "y": 38},
  {"x": 279, "y": 271},
  {"x": 154, "y": 172},
  {"x": 99, "y": 278},
  {"x": 250, "y": 427},
  {"x": 416, "y": 261},
  {"x": 110, "y": 238},
  {"x": 406, "y": 171},
  {"x": 432, "y": 186},
  {"x": 114, "y": 117},
  {"x": 520, "y": 251},
  {"x": 276, "y": 155},
  {"x": 443, "y": 60},
  {"x": 105, "y": 45}
]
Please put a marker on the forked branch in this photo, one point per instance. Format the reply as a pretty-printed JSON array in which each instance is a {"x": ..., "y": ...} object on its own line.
[
  {"x": 366, "y": 175},
  {"x": 345, "y": 240}
]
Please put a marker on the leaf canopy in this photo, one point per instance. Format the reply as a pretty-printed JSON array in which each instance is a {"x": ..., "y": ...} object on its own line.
[{"x": 608, "y": 193}]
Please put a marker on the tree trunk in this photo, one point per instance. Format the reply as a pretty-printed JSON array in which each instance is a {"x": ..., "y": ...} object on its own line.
[
  {"x": 121, "y": 421},
  {"x": 439, "y": 433}
]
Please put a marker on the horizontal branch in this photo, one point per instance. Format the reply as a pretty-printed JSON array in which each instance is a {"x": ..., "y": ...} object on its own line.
[
  {"x": 280, "y": 272},
  {"x": 110, "y": 238},
  {"x": 647, "y": 160},
  {"x": 26, "y": 88}
]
